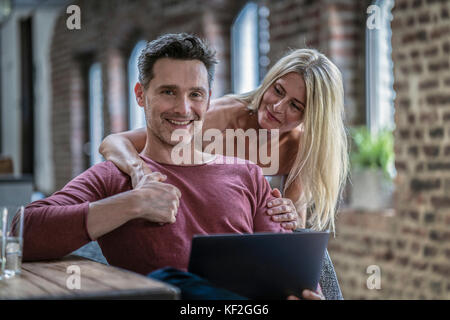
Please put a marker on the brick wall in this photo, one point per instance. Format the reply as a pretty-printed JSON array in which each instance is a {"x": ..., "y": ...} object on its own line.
[
  {"x": 334, "y": 27},
  {"x": 421, "y": 51},
  {"x": 412, "y": 246},
  {"x": 363, "y": 239}
]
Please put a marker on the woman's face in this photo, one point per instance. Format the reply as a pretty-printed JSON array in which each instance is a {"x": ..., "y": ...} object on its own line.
[{"x": 283, "y": 104}]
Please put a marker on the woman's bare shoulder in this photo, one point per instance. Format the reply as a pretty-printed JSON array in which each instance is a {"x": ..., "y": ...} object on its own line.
[
  {"x": 226, "y": 102},
  {"x": 223, "y": 113},
  {"x": 294, "y": 136}
]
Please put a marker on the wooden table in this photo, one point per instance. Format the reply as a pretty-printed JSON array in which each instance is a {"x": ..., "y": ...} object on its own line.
[{"x": 48, "y": 280}]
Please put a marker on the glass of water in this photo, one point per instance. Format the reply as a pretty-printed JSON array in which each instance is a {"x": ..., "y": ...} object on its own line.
[{"x": 11, "y": 241}]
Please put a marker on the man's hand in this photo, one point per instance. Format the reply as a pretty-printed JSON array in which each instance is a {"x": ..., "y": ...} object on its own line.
[
  {"x": 155, "y": 200},
  {"x": 152, "y": 199},
  {"x": 283, "y": 210}
]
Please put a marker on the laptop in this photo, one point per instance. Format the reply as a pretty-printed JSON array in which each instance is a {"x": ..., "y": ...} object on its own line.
[{"x": 260, "y": 265}]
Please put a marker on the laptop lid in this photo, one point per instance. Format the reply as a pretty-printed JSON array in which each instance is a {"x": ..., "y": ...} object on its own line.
[{"x": 260, "y": 265}]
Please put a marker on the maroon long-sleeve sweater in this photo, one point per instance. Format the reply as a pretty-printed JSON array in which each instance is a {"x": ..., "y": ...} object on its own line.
[{"x": 216, "y": 198}]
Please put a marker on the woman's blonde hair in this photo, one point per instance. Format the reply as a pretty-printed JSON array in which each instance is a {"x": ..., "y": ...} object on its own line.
[{"x": 321, "y": 165}]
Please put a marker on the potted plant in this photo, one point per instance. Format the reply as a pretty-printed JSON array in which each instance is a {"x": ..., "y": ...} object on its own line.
[{"x": 372, "y": 161}]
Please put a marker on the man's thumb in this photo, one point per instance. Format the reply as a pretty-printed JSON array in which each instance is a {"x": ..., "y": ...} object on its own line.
[{"x": 276, "y": 193}]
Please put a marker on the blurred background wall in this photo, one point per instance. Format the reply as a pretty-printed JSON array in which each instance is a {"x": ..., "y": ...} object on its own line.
[
  {"x": 63, "y": 89},
  {"x": 411, "y": 244}
]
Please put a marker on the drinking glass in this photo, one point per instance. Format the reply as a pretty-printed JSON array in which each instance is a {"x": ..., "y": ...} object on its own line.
[{"x": 11, "y": 241}]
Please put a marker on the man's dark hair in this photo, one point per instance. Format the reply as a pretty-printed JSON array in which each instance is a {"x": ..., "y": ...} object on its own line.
[{"x": 180, "y": 46}]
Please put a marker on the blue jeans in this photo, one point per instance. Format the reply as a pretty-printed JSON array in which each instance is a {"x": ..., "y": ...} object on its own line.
[{"x": 192, "y": 286}]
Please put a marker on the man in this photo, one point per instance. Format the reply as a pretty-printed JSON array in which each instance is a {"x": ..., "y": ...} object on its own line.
[{"x": 151, "y": 226}]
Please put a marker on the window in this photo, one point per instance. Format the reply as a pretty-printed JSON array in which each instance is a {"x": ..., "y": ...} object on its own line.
[
  {"x": 136, "y": 118},
  {"x": 379, "y": 75},
  {"x": 249, "y": 47},
  {"x": 95, "y": 113}
]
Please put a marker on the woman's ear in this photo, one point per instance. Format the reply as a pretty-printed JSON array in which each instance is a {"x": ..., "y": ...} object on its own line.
[{"x": 139, "y": 92}]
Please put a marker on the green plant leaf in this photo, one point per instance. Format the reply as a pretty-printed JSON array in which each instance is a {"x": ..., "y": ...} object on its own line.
[{"x": 372, "y": 151}]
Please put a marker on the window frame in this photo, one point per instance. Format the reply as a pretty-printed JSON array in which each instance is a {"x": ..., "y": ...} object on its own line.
[
  {"x": 250, "y": 24},
  {"x": 377, "y": 116},
  {"x": 95, "y": 110},
  {"x": 136, "y": 115}
]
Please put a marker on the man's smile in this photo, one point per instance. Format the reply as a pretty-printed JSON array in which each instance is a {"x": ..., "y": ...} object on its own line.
[{"x": 179, "y": 123}]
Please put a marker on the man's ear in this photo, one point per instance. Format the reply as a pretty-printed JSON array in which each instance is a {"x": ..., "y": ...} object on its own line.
[{"x": 139, "y": 92}]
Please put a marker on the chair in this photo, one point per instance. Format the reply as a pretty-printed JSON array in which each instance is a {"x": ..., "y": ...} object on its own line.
[
  {"x": 91, "y": 251},
  {"x": 328, "y": 280}
]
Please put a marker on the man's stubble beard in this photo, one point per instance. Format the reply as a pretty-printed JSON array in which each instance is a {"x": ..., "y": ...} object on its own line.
[
  {"x": 160, "y": 136},
  {"x": 159, "y": 133}
]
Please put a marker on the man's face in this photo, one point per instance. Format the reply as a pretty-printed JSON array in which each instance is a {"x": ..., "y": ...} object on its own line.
[{"x": 177, "y": 96}]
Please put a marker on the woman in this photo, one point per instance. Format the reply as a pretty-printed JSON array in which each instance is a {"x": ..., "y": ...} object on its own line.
[{"x": 302, "y": 97}]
